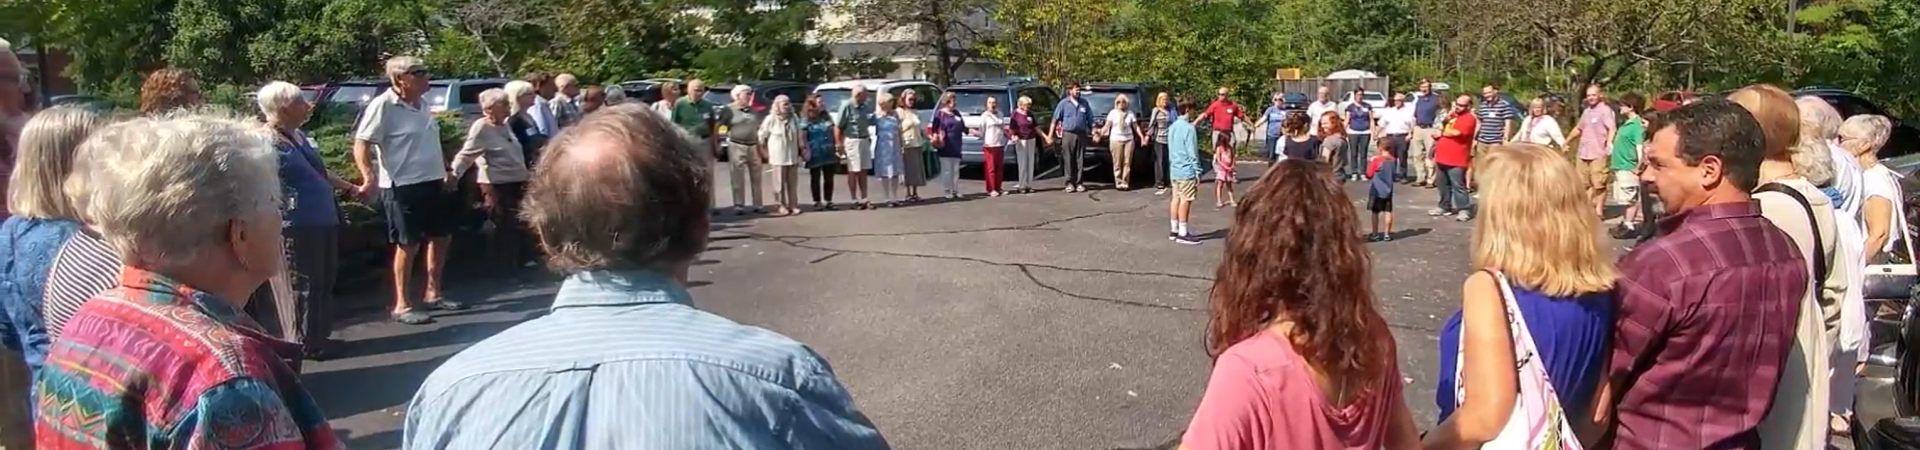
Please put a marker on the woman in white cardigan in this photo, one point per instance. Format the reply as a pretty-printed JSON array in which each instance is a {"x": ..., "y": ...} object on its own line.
[
  {"x": 780, "y": 134},
  {"x": 1540, "y": 127}
]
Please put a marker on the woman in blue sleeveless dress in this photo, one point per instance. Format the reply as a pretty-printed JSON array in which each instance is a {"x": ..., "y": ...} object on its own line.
[
  {"x": 1537, "y": 234},
  {"x": 887, "y": 162}
]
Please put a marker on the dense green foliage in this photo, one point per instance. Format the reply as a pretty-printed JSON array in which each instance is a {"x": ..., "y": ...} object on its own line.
[{"x": 1191, "y": 45}]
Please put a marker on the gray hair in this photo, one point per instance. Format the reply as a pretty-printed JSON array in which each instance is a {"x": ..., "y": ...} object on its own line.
[
  {"x": 166, "y": 188},
  {"x": 1023, "y": 101},
  {"x": 739, "y": 90},
  {"x": 495, "y": 96},
  {"x": 1865, "y": 133},
  {"x": 1812, "y": 157},
  {"x": 883, "y": 99},
  {"x": 614, "y": 94},
  {"x": 6, "y": 51},
  {"x": 1818, "y": 118},
  {"x": 620, "y": 190},
  {"x": 566, "y": 79},
  {"x": 275, "y": 97},
  {"x": 44, "y": 161},
  {"x": 515, "y": 90},
  {"x": 400, "y": 65}
]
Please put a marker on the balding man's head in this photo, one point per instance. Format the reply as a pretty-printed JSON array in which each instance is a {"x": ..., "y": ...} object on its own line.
[
  {"x": 569, "y": 85},
  {"x": 623, "y": 189}
]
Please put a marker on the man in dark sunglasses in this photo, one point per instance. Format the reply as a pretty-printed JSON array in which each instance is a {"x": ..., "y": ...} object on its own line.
[{"x": 396, "y": 146}]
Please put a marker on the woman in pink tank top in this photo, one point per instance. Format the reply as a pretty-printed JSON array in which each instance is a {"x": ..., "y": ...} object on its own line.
[{"x": 1302, "y": 358}]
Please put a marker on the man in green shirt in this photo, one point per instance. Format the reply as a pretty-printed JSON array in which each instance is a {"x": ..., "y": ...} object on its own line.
[
  {"x": 1626, "y": 161},
  {"x": 695, "y": 115}
]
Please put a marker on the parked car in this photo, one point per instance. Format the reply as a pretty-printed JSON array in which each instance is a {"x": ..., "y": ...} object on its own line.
[
  {"x": 1294, "y": 101},
  {"x": 1669, "y": 100},
  {"x": 356, "y": 92},
  {"x": 86, "y": 101},
  {"x": 926, "y": 95},
  {"x": 970, "y": 97},
  {"x": 1905, "y": 139},
  {"x": 460, "y": 95}
]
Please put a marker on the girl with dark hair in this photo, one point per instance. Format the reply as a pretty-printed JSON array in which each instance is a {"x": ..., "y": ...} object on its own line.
[
  {"x": 823, "y": 158},
  {"x": 1298, "y": 144},
  {"x": 1302, "y": 358}
]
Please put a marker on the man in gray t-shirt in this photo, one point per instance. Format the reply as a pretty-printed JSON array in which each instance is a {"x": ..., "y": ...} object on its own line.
[{"x": 744, "y": 154}]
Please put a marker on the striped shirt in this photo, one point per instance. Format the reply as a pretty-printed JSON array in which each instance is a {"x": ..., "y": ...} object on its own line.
[
  {"x": 154, "y": 363},
  {"x": 85, "y": 266},
  {"x": 625, "y": 361},
  {"x": 1494, "y": 117}
]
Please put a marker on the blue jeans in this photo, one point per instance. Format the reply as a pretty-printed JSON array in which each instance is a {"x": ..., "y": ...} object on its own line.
[
  {"x": 1273, "y": 147},
  {"x": 1453, "y": 189}
]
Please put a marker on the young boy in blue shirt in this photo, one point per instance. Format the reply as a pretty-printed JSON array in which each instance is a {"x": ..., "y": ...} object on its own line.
[
  {"x": 1183, "y": 154},
  {"x": 1382, "y": 169}
]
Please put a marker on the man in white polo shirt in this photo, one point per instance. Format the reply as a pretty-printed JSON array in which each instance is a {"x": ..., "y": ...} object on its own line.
[{"x": 399, "y": 133}]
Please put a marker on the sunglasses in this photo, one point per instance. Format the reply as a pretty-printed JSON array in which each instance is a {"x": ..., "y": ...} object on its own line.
[{"x": 417, "y": 72}]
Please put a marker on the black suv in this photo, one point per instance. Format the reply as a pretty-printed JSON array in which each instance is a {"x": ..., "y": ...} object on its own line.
[{"x": 970, "y": 98}]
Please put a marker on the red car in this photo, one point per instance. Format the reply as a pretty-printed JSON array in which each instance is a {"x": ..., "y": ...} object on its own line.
[{"x": 1671, "y": 100}]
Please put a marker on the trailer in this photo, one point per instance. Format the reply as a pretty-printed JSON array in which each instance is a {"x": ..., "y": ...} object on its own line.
[{"x": 1287, "y": 80}]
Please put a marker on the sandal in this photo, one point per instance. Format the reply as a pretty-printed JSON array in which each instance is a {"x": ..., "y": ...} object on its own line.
[
  {"x": 411, "y": 317},
  {"x": 445, "y": 305}
]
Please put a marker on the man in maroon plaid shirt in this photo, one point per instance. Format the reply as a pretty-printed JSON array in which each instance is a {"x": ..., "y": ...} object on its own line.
[{"x": 1707, "y": 310}]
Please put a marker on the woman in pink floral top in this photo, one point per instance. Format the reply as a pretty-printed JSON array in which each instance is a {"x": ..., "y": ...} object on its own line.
[{"x": 1302, "y": 358}]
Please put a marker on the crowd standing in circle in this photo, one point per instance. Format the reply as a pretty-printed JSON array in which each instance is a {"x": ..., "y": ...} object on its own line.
[{"x": 172, "y": 308}]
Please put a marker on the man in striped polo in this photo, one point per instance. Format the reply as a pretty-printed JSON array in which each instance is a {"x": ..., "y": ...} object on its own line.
[{"x": 1495, "y": 116}]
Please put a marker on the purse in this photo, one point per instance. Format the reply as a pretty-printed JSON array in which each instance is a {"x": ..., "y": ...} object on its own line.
[
  {"x": 1890, "y": 275},
  {"x": 1538, "y": 421}
]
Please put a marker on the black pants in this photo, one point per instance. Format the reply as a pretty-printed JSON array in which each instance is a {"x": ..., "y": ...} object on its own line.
[
  {"x": 1074, "y": 144},
  {"x": 820, "y": 182},
  {"x": 512, "y": 243},
  {"x": 313, "y": 261},
  {"x": 1160, "y": 164}
]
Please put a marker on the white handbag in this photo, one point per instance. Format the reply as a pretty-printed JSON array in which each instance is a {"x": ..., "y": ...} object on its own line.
[{"x": 1538, "y": 421}]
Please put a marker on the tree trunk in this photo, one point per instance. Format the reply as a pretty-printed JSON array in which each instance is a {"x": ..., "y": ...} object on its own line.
[{"x": 942, "y": 45}]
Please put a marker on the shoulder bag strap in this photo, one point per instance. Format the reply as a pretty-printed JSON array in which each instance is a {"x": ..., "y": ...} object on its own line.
[
  {"x": 1557, "y": 431},
  {"x": 1819, "y": 250}
]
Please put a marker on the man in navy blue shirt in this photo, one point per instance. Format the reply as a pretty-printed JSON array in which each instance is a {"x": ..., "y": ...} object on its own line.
[
  {"x": 1426, "y": 121},
  {"x": 1072, "y": 120}
]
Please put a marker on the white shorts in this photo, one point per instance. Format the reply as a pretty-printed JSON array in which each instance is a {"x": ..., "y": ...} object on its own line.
[
  {"x": 859, "y": 154},
  {"x": 1626, "y": 186}
]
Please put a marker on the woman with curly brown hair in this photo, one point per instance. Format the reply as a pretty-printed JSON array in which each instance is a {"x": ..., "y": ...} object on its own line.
[
  {"x": 1298, "y": 143},
  {"x": 1302, "y": 358},
  {"x": 169, "y": 89}
]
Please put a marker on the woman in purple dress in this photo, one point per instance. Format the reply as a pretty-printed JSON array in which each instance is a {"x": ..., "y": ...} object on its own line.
[{"x": 948, "y": 126}]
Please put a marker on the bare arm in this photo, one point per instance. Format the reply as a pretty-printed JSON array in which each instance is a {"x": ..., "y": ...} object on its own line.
[
  {"x": 1879, "y": 215},
  {"x": 1488, "y": 370},
  {"x": 363, "y": 160}
]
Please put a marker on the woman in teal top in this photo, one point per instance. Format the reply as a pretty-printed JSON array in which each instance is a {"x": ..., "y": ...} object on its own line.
[{"x": 823, "y": 158}]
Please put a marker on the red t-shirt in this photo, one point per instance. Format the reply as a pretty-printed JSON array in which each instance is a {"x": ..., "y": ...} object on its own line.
[
  {"x": 1456, "y": 150},
  {"x": 1223, "y": 112}
]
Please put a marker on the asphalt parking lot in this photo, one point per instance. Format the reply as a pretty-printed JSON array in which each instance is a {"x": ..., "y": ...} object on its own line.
[{"x": 1050, "y": 320}]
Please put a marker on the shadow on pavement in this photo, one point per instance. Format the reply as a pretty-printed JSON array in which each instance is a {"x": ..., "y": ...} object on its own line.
[
  {"x": 455, "y": 334},
  {"x": 1416, "y": 232},
  {"x": 350, "y": 392}
]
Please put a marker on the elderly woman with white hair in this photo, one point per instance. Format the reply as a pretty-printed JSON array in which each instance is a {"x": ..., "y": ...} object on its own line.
[
  {"x": 312, "y": 222},
  {"x": 502, "y": 178},
  {"x": 1883, "y": 228},
  {"x": 191, "y": 204},
  {"x": 523, "y": 101},
  {"x": 1820, "y": 158},
  {"x": 784, "y": 141}
]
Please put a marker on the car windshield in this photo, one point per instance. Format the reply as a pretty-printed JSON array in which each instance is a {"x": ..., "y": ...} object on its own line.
[
  {"x": 355, "y": 94},
  {"x": 436, "y": 98},
  {"x": 310, "y": 95},
  {"x": 973, "y": 102},
  {"x": 1295, "y": 97},
  {"x": 833, "y": 98},
  {"x": 1373, "y": 97},
  {"x": 1101, "y": 102}
]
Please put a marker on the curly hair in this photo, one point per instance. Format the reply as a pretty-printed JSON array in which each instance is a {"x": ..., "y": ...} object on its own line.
[
  {"x": 169, "y": 89},
  {"x": 1294, "y": 125},
  {"x": 1293, "y": 256}
]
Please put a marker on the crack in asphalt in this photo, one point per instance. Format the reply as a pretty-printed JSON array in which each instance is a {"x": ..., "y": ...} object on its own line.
[{"x": 1026, "y": 269}]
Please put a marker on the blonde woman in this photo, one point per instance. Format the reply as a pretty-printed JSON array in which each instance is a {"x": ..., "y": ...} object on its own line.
[
  {"x": 913, "y": 146},
  {"x": 1882, "y": 211},
  {"x": 1121, "y": 130},
  {"x": 1790, "y": 199},
  {"x": 491, "y": 144},
  {"x": 1540, "y": 127},
  {"x": 887, "y": 165},
  {"x": 1541, "y": 302},
  {"x": 784, "y": 140}
]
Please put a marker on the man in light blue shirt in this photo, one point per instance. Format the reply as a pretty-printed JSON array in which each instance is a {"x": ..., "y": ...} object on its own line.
[{"x": 625, "y": 361}]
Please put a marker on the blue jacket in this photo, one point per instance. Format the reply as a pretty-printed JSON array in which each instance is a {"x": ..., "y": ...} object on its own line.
[
  {"x": 27, "y": 250},
  {"x": 1183, "y": 150}
]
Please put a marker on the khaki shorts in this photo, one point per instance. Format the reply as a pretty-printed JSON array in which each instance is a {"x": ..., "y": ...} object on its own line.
[
  {"x": 1626, "y": 186},
  {"x": 1598, "y": 175},
  {"x": 1186, "y": 190},
  {"x": 1479, "y": 148}
]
